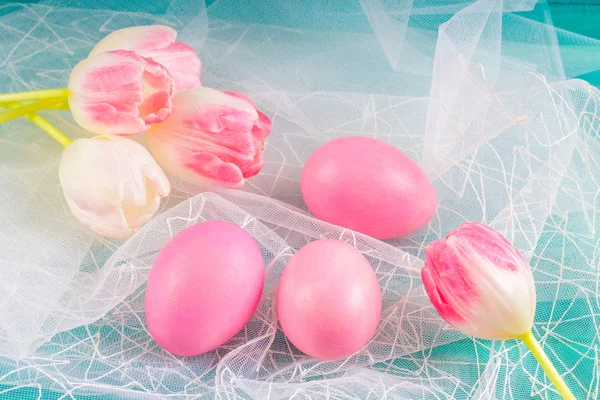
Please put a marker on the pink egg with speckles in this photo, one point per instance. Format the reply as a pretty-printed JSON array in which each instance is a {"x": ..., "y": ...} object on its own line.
[
  {"x": 329, "y": 300},
  {"x": 203, "y": 287},
  {"x": 368, "y": 186}
]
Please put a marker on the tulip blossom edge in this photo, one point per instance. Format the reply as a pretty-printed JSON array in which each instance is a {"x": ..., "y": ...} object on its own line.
[
  {"x": 479, "y": 283},
  {"x": 111, "y": 184},
  {"x": 157, "y": 42},
  {"x": 120, "y": 92},
  {"x": 213, "y": 138}
]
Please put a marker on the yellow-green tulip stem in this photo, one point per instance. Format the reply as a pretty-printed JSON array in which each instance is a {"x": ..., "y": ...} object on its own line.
[{"x": 539, "y": 354}]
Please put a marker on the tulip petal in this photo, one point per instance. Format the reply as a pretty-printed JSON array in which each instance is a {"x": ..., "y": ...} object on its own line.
[
  {"x": 156, "y": 177},
  {"x": 139, "y": 214},
  {"x": 479, "y": 283},
  {"x": 437, "y": 298},
  {"x": 486, "y": 241},
  {"x": 111, "y": 184},
  {"x": 212, "y": 168},
  {"x": 105, "y": 117},
  {"x": 155, "y": 108},
  {"x": 211, "y": 138},
  {"x": 159, "y": 43},
  {"x": 120, "y": 92},
  {"x": 452, "y": 274},
  {"x": 263, "y": 127},
  {"x": 216, "y": 111},
  {"x": 181, "y": 61},
  {"x": 257, "y": 163},
  {"x": 137, "y": 37},
  {"x": 110, "y": 223}
]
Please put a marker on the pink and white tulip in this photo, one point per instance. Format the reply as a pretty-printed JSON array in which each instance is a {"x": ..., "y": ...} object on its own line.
[
  {"x": 480, "y": 284},
  {"x": 120, "y": 92},
  {"x": 159, "y": 43},
  {"x": 111, "y": 184},
  {"x": 212, "y": 138}
]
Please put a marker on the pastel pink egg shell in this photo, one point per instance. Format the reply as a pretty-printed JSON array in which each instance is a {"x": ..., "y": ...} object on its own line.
[
  {"x": 329, "y": 300},
  {"x": 368, "y": 186},
  {"x": 203, "y": 287}
]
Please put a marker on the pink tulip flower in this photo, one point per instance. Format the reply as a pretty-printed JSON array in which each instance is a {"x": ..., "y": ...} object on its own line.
[
  {"x": 120, "y": 92},
  {"x": 112, "y": 184},
  {"x": 480, "y": 284},
  {"x": 212, "y": 138},
  {"x": 158, "y": 43}
]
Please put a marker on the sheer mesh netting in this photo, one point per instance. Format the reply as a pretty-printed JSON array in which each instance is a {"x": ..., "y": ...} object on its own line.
[{"x": 479, "y": 93}]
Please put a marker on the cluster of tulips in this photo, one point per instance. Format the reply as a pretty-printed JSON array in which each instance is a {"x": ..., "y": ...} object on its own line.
[{"x": 141, "y": 80}]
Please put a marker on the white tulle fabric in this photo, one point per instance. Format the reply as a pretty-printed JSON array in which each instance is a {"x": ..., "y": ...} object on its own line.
[{"x": 479, "y": 93}]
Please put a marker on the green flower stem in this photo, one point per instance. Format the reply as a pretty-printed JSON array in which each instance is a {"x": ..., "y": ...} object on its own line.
[
  {"x": 538, "y": 352},
  {"x": 35, "y": 95},
  {"x": 29, "y": 108},
  {"x": 44, "y": 124},
  {"x": 62, "y": 106},
  {"x": 10, "y": 104}
]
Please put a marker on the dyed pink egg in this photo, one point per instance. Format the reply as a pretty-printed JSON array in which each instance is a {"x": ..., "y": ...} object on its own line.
[
  {"x": 203, "y": 287},
  {"x": 328, "y": 301},
  {"x": 368, "y": 186}
]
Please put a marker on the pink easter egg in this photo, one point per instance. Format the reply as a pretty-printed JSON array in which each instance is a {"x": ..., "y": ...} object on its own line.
[
  {"x": 329, "y": 300},
  {"x": 203, "y": 287},
  {"x": 368, "y": 186}
]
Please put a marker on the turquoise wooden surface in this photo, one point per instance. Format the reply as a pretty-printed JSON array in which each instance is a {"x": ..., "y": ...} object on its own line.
[
  {"x": 579, "y": 18},
  {"x": 583, "y": 19}
]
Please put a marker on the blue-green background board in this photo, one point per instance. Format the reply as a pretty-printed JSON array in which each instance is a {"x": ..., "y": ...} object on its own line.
[
  {"x": 581, "y": 17},
  {"x": 544, "y": 311}
]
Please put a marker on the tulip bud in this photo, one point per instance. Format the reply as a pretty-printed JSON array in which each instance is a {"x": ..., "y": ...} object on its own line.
[
  {"x": 111, "y": 184},
  {"x": 480, "y": 284},
  {"x": 212, "y": 138},
  {"x": 158, "y": 43},
  {"x": 120, "y": 92}
]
